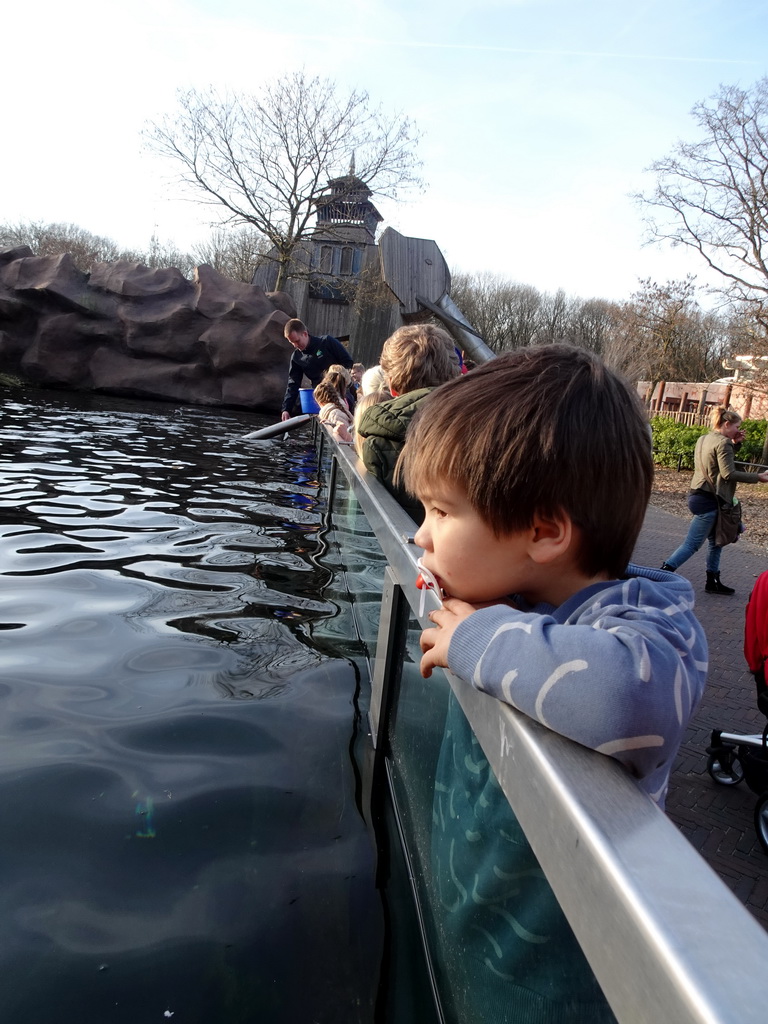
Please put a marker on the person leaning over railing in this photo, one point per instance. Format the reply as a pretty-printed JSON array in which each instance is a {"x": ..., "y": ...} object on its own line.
[
  {"x": 714, "y": 481},
  {"x": 340, "y": 377},
  {"x": 311, "y": 357},
  {"x": 414, "y": 360},
  {"x": 333, "y": 411},
  {"x": 529, "y": 536}
]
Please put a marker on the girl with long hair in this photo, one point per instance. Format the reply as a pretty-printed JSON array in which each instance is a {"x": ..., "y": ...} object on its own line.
[{"x": 334, "y": 411}]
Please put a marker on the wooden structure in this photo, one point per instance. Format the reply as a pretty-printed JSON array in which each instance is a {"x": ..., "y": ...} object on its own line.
[
  {"x": 413, "y": 268},
  {"x": 347, "y": 285},
  {"x": 335, "y": 259}
]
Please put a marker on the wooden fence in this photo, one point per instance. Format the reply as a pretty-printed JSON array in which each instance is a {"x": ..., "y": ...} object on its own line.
[{"x": 691, "y": 419}]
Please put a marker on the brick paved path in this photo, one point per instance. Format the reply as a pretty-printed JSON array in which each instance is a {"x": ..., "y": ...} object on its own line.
[{"x": 717, "y": 820}]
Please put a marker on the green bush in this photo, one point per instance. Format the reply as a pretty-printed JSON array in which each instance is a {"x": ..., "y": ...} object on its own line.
[
  {"x": 674, "y": 443},
  {"x": 752, "y": 447}
]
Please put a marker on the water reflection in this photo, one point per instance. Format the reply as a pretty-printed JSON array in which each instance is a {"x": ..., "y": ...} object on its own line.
[{"x": 176, "y": 795}]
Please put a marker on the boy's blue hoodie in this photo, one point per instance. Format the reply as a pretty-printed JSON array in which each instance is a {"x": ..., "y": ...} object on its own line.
[{"x": 620, "y": 667}]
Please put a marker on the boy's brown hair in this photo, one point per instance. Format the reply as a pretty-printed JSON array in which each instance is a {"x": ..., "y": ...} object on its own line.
[
  {"x": 542, "y": 430},
  {"x": 419, "y": 356}
]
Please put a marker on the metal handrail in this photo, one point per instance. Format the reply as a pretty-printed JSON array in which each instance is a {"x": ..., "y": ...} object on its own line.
[{"x": 664, "y": 936}]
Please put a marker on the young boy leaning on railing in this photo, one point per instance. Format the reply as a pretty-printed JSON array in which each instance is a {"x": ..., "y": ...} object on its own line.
[{"x": 534, "y": 471}]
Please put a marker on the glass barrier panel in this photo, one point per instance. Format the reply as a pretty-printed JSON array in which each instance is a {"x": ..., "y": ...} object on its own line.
[
  {"x": 501, "y": 948},
  {"x": 355, "y": 556},
  {"x": 359, "y": 555}
]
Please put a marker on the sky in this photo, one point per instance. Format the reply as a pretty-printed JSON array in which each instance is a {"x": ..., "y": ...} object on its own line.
[{"x": 538, "y": 117}]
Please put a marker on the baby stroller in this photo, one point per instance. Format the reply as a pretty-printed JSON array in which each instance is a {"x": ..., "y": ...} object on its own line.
[{"x": 734, "y": 758}]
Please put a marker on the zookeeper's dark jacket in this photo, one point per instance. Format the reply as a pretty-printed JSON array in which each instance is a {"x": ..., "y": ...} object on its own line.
[{"x": 319, "y": 354}]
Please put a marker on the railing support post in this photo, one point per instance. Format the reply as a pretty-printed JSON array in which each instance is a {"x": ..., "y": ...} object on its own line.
[
  {"x": 388, "y": 655},
  {"x": 332, "y": 481}
]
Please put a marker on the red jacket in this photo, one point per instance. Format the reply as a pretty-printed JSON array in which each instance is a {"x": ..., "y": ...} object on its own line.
[{"x": 756, "y": 625}]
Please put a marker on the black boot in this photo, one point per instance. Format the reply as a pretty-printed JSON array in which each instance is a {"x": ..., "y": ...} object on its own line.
[
  {"x": 667, "y": 567},
  {"x": 714, "y": 586}
]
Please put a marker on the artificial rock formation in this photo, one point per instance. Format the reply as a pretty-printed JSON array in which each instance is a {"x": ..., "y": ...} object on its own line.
[{"x": 129, "y": 330}]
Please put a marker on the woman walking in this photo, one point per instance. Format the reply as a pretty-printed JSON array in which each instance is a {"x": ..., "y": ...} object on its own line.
[{"x": 714, "y": 480}]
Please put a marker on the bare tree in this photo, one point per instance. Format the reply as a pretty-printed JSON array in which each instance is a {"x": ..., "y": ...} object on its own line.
[
  {"x": 521, "y": 307},
  {"x": 54, "y": 239},
  {"x": 665, "y": 335},
  {"x": 510, "y": 315},
  {"x": 167, "y": 254},
  {"x": 87, "y": 249},
  {"x": 711, "y": 195},
  {"x": 554, "y": 319},
  {"x": 592, "y": 324},
  {"x": 479, "y": 297},
  {"x": 267, "y": 158},
  {"x": 235, "y": 254},
  {"x": 506, "y": 314}
]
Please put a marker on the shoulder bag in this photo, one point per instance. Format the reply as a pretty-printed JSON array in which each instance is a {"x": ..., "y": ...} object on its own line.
[{"x": 728, "y": 525}]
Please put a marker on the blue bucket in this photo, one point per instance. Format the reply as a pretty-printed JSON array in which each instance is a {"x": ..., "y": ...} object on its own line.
[{"x": 307, "y": 399}]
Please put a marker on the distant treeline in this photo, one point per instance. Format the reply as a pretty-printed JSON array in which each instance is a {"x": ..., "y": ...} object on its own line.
[
  {"x": 233, "y": 252},
  {"x": 660, "y": 333}
]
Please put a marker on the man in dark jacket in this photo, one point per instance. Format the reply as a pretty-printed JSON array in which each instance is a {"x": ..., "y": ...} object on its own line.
[{"x": 311, "y": 357}]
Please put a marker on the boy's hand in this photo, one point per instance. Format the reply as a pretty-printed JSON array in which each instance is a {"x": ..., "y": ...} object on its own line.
[{"x": 435, "y": 642}]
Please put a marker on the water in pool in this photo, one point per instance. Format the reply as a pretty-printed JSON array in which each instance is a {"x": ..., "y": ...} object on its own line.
[{"x": 181, "y": 836}]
